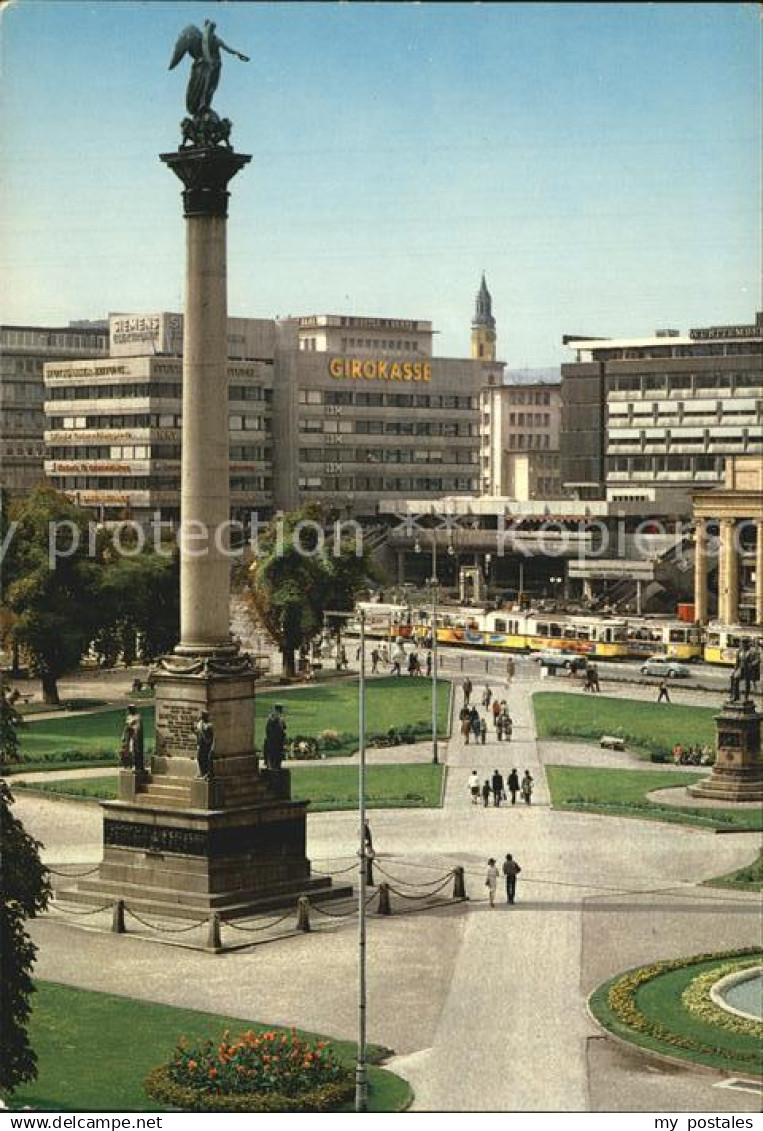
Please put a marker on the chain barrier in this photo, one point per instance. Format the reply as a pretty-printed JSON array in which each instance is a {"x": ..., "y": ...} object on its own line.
[
  {"x": 262, "y": 926},
  {"x": 165, "y": 930},
  {"x": 340, "y": 872},
  {"x": 53, "y": 906},
  {"x": 407, "y": 883},
  {"x": 335, "y": 914},
  {"x": 71, "y": 875},
  {"x": 426, "y": 895}
]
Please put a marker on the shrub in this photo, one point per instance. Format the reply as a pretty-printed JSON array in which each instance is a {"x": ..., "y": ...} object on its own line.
[{"x": 269, "y": 1071}]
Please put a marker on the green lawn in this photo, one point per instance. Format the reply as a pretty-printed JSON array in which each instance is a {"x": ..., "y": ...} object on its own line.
[
  {"x": 93, "y": 740},
  {"x": 749, "y": 878},
  {"x": 652, "y": 728},
  {"x": 325, "y": 786},
  {"x": 660, "y": 1001},
  {"x": 94, "y": 1051},
  {"x": 622, "y": 793}
]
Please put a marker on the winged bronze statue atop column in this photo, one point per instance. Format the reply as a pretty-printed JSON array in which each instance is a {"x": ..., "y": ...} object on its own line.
[{"x": 203, "y": 126}]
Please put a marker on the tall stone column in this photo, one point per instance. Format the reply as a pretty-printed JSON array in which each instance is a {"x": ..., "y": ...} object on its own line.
[
  {"x": 759, "y": 574},
  {"x": 205, "y": 486},
  {"x": 728, "y": 589},
  {"x": 700, "y": 571}
]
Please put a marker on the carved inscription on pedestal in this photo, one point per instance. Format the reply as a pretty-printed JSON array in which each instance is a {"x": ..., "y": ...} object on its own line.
[
  {"x": 282, "y": 838},
  {"x": 175, "y": 728}
]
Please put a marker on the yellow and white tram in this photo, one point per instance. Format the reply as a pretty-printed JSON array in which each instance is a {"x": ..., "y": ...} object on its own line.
[
  {"x": 722, "y": 641},
  {"x": 501, "y": 630}
]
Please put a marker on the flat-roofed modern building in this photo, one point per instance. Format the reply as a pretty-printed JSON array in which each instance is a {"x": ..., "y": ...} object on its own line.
[
  {"x": 519, "y": 434},
  {"x": 114, "y": 426},
  {"x": 338, "y": 409},
  {"x": 23, "y": 353},
  {"x": 364, "y": 412},
  {"x": 661, "y": 412}
]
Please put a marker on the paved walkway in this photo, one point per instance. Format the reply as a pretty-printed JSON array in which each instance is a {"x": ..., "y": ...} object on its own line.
[{"x": 485, "y": 1008}]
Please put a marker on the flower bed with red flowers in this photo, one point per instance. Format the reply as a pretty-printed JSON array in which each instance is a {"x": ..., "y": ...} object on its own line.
[{"x": 270, "y": 1071}]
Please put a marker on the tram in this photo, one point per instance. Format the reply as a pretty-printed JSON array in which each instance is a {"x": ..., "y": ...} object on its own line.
[
  {"x": 603, "y": 637},
  {"x": 722, "y": 641}
]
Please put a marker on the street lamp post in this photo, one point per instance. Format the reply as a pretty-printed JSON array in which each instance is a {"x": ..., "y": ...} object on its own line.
[
  {"x": 361, "y": 1068},
  {"x": 433, "y": 583},
  {"x": 361, "y": 1071}
]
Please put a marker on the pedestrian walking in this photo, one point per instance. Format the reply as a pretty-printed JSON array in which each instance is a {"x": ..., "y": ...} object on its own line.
[
  {"x": 429, "y": 665},
  {"x": 474, "y": 716},
  {"x": 398, "y": 659},
  {"x": 474, "y": 787},
  {"x": 367, "y": 838},
  {"x": 511, "y": 870},
  {"x": 466, "y": 687},
  {"x": 595, "y": 678},
  {"x": 483, "y": 730},
  {"x": 491, "y": 880},
  {"x": 510, "y": 668},
  {"x": 496, "y": 784},
  {"x": 526, "y": 787},
  {"x": 507, "y": 725},
  {"x": 466, "y": 724},
  {"x": 486, "y": 791},
  {"x": 487, "y": 695},
  {"x": 385, "y": 655},
  {"x": 664, "y": 696},
  {"x": 499, "y": 727},
  {"x": 375, "y": 657},
  {"x": 513, "y": 784},
  {"x": 496, "y": 709},
  {"x": 413, "y": 663}
]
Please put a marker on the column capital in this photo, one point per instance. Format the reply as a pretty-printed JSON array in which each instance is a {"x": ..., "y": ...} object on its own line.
[{"x": 205, "y": 172}]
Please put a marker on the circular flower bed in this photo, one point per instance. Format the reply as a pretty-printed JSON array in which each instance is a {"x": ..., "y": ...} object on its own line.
[
  {"x": 271, "y": 1072},
  {"x": 665, "y": 1007}
]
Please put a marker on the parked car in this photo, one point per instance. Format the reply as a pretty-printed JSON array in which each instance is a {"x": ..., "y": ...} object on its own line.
[
  {"x": 571, "y": 661},
  {"x": 661, "y": 665}
]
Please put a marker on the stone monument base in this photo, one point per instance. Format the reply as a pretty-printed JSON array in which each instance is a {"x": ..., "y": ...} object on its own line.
[
  {"x": 738, "y": 772},
  {"x": 189, "y": 862}
]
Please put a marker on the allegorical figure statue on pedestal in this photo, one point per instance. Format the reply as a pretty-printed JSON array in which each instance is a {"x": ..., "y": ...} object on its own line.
[
  {"x": 204, "y": 127},
  {"x": 746, "y": 673},
  {"x": 275, "y": 738},
  {"x": 131, "y": 752},
  {"x": 205, "y": 745}
]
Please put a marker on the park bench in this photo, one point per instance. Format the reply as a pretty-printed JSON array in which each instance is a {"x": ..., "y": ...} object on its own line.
[{"x": 612, "y": 742}]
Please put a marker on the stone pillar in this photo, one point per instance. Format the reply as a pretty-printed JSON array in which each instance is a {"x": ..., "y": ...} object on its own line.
[
  {"x": 759, "y": 574},
  {"x": 205, "y": 486},
  {"x": 700, "y": 571},
  {"x": 728, "y": 587}
]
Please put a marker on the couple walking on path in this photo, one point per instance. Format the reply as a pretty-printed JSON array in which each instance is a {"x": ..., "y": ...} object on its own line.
[{"x": 510, "y": 870}]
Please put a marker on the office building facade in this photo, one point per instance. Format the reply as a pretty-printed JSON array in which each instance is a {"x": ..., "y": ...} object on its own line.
[
  {"x": 24, "y": 350},
  {"x": 671, "y": 410},
  {"x": 341, "y": 410}
]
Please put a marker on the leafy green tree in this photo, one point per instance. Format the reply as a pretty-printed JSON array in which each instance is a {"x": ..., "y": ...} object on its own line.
[
  {"x": 140, "y": 597},
  {"x": 52, "y": 574},
  {"x": 10, "y": 721},
  {"x": 299, "y": 575},
  {"x": 24, "y": 890}
]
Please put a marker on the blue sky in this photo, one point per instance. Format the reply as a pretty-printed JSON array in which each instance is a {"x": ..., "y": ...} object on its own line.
[{"x": 601, "y": 162}]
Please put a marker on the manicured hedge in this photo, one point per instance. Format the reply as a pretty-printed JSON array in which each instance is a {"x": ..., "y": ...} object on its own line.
[{"x": 164, "y": 1090}]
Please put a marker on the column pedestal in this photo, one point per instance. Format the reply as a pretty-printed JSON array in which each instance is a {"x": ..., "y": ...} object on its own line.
[{"x": 738, "y": 772}]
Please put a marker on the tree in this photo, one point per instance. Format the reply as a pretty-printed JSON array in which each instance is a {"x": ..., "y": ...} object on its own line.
[
  {"x": 10, "y": 721},
  {"x": 140, "y": 597},
  {"x": 299, "y": 576},
  {"x": 52, "y": 595},
  {"x": 24, "y": 890}
]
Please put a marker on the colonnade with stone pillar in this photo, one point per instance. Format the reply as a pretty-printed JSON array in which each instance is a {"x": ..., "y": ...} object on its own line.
[{"x": 729, "y": 568}]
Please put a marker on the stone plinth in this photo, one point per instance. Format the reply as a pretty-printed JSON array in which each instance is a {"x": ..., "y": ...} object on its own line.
[{"x": 738, "y": 772}]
